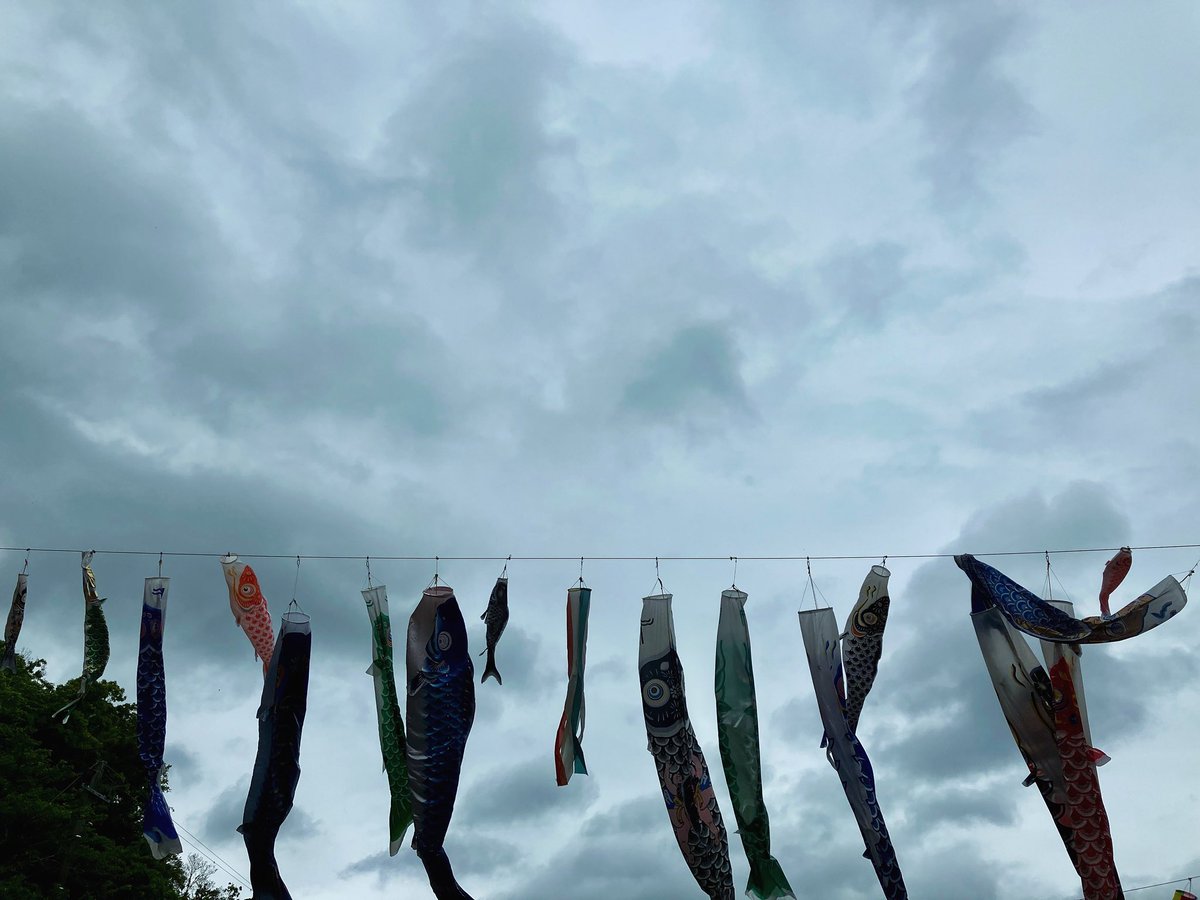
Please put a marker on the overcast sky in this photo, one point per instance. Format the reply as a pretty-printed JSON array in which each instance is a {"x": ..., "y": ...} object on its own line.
[{"x": 614, "y": 279}]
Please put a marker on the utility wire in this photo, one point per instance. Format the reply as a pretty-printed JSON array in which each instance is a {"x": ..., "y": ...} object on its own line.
[
  {"x": 1146, "y": 887},
  {"x": 572, "y": 558},
  {"x": 219, "y": 860}
]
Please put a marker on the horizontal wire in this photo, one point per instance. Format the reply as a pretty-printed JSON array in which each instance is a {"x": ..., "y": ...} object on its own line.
[
  {"x": 1146, "y": 887},
  {"x": 576, "y": 557},
  {"x": 219, "y": 861}
]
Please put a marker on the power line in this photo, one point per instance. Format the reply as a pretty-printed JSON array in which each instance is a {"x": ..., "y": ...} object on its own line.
[
  {"x": 219, "y": 861},
  {"x": 1146, "y": 887}
]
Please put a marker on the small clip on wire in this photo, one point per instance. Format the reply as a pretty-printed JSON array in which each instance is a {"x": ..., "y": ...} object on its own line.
[
  {"x": 25, "y": 568},
  {"x": 369, "y": 572}
]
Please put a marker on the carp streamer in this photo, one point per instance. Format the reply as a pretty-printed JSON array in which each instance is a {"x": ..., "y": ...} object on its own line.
[
  {"x": 387, "y": 708},
  {"x": 737, "y": 734},
  {"x": 157, "y": 827},
  {"x": 845, "y": 752},
  {"x": 1044, "y": 704},
  {"x": 95, "y": 636},
  {"x": 441, "y": 710},
  {"x": 12, "y": 628},
  {"x": 568, "y": 743},
  {"x": 682, "y": 771},
  {"x": 277, "y": 765},
  {"x": 249, "y": 607}
]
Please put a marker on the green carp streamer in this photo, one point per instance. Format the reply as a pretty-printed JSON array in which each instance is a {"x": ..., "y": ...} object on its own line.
[
  {"x": 737, "y": 734},
  {"x": 391, "y": 725}
]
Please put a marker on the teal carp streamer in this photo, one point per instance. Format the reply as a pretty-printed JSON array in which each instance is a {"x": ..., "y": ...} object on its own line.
[
  {"x": 95, "y": 636},
  {"x": 737, "y": 735},
  {"x": 387, "y": 707}
]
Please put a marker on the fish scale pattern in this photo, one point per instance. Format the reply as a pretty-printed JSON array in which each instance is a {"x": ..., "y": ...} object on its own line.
[
  {"x": 1083, "y": 815},
  {"x": 249, "y": 607},
  {"x": 845, "y": 752},
  {"x": 1034, "y": 616},
  {"x": 682, "y": 770},
  {"x": 861, "y": 648},
  {"x": 692, "y": 806},
  {"x": 157, "y": 826},
  {"x": 441, "y": 710}
]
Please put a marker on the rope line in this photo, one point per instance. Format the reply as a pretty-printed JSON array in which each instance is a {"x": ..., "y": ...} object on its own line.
[{"x": 572, "y": 558}]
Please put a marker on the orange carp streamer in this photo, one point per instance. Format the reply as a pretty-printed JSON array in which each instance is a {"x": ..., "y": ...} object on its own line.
[{"x": 249, "y": 607}]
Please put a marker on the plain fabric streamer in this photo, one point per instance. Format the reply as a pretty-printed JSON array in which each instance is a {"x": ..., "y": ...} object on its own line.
[
  {"x": 737, "y": 734},
  {"x": 568, "y": 742},
  {"x": 682, "y": 771},
  {"x": 157, "y": 826},
  {"x": 277, "y": 765}
]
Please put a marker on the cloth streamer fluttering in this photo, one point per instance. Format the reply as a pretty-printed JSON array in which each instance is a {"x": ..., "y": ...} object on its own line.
[
  {"x": 157, "y": 826},
  {"x": 495, "y": 617},
  {"x": 277, "y": 765},
  {"x": 737, "y": 734},
  {"x": 441, "y": 710},
  {"x": 682, "y": 771},
  {"x": 1045, "y": 706},
  {"x": 392, "y": 742},
  {"x": 818, "y": 628},
  {"x": 12, "y": 628},
  {"x": 249, "y": 607},
  {"x": 95, "y": 636},
  {"x": 568, "y": 742}
]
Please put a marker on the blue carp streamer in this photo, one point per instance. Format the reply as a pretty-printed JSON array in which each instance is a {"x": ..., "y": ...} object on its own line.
[{"x": 157, "y": 827}]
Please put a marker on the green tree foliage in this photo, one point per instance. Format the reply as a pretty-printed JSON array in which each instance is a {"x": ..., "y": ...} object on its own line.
[{"x": 71, "y": 797}]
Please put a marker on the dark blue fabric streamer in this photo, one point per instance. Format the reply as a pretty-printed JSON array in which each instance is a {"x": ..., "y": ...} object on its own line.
[{"x": 277, "y": 766}]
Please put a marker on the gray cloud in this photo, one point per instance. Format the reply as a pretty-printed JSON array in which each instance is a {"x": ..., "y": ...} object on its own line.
[{"x": 695, "y": 373}]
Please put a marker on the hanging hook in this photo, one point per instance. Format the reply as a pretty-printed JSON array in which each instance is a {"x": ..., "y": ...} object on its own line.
[
  {"x": 504, "y": 572},
  {"x": 369, "y": 572},
  {"x": 658, "y": 578},
  {"x": 884, "y": 562},
  {"x": 581, "y": 571},
  {"x": 437, "y": 563},
  {"x": 160, "y": 563},
  {"x": 1049, "y": 586},
  {"x": 295, "y": 584},
  {"x": 25, "y": 568},
  {"x": 734, "y": 560}
]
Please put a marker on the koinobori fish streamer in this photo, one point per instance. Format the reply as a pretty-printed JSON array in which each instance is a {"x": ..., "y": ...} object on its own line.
[
  {"x": 737, "y": 734},
  {"x": 441, "y": 710},
  {"x": 1036, "y": 617},
  {"x": 845, "y": 752},
  {"x": 862, "y": 641},
  {"x": 682, "y": 770},
  {"x": 157, "y": 827},
  {"x": 568, "y": 742},
  {"x": 95, "y": 636},
  {"x": 277, "y": 765},
  {"x": 12, "y": 628},
  {"x": 495, "y": 618},
  {"x": 249, "y": 607},
  {"x": 1047, "y": 715},
  {"x": 387, "y": 708}
]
